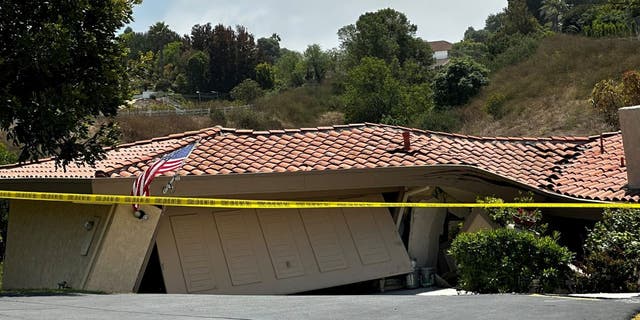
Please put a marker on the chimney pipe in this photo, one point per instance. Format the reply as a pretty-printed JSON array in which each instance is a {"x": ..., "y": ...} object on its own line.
[
  {"x": 629, "y": 120},
  {"x": 406, "y": 136}
]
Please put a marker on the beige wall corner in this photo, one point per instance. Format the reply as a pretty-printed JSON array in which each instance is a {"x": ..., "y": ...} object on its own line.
[
  {"x": 51, "y": 243},
  {"x": 426, "y": 227},
  {"x": 478, "y": 220},
  {"x": 123, "y": 250}
]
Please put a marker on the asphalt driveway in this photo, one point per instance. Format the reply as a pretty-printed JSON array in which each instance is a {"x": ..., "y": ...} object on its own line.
[{"x": 157, "y": 307}]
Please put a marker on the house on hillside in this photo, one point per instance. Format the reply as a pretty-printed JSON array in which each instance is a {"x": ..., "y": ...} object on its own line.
[
  {"x": 257, "y": 251},
  {"x": 441, "y": 51}
]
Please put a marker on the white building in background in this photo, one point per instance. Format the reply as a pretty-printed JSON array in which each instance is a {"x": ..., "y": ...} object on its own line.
[{"x": 440, "y": 51}]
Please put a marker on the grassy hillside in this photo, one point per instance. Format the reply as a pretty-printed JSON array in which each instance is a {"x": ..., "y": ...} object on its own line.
[
  {"x": 307, "y": 106},
  {"x": 548, "y": 94}
]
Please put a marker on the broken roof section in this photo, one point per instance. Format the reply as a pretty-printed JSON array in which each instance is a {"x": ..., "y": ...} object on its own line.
[{"x": 588, "y": 168}]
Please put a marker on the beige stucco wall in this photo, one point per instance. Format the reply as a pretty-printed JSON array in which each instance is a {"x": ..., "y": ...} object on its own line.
[
  {"x": 426, "y": 226},
  {"x": 48, "y": 243},
  {"x": 121, "y": 256},
  {"x": 478, "y": 220}
]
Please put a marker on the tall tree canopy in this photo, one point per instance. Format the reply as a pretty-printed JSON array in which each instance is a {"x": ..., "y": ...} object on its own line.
[
  {"x": 385, "y": 34},
  {"x": 61, "y": 67}
]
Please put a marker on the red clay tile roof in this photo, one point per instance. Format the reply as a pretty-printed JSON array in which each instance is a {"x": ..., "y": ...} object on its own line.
[
  {"x": 440, "y": 45},
  {"x": 571, "y": 166}
]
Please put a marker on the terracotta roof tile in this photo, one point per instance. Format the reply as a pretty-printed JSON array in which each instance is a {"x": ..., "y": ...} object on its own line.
[{"x": 572, "y": 166}]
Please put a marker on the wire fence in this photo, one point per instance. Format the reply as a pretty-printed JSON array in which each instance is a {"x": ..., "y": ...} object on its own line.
[{"x": 181, "y": 112}]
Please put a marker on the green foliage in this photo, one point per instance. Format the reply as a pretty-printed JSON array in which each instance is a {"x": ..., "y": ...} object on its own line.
[
  {"x": 317, "y": 63},
  {"x": 507, "y": 260},
  {"x": 606, "y": 21},
  {"x": 612, "y": 252},
  {"x": 473, "y": 35},
  {"x": 609, "y": 95},
  {"x": 447, "y": 120},
  {"x": 458, "y": 81},
  {"x": 371, "y": 91},
  {"x": 251, "y": 119},
  {"x": 197, "y": 71},
  {"x": 473, "y": 50},
  {"x": 290, "y": 71},
  {"x": 268, "y": 49},
  {"x": 520, "y": 218},
  {"x": 606, "y": 98},
  {"x": 6, "y": 156},
  {"x": 247, "y": 91},
  {"x": 551, "y": 12},
  {"x": 385, "y": 34},
  {"x": 495, "y": 105},
  {"x": 61, "y": 68},
  {"x": 518, "y": 19},
  {"x": 266, "y": 75},
  {"x": 218, "y": 117},
  {"x": 510, "y": 50},
  {"x": 160, "y": 35}
]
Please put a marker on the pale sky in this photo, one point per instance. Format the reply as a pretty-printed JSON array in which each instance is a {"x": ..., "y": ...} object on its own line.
[{"x": 301, "y": 23}]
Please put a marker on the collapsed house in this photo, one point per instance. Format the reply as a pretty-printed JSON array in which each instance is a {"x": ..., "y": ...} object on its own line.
[{"x": 282, "y": 251}]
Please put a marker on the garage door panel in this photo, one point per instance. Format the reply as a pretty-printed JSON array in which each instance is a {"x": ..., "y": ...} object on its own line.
[
  {"x": 280, "y": 242},
  {"x": 324, "y": 239},
  {"x": 193, "y": 252},
  {"x": 366, "y": 235},
  {"x": 237, "y": 245}
]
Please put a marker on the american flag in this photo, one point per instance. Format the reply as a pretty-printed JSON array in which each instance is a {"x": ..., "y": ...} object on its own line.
[{"x": 169, "y": 162}]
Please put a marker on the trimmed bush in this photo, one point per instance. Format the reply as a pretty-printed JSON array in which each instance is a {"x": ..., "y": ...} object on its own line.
[
  {"x": 507, "y": 260},
  {"x": 495, "y": 105},
  {"x": 612, "y": 249}
]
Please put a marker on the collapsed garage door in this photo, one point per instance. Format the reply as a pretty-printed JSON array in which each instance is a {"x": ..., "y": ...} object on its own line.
[{"x": 277, "y": 251}]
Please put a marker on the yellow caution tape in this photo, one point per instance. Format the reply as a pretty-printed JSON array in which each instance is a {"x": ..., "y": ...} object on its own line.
[{"x": 268, "y": 204}]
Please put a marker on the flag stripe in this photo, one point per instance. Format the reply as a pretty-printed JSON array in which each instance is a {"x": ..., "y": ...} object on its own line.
[{"x": 169, "y": 162}]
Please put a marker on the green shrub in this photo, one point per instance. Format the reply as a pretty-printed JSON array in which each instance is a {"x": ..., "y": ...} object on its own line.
[
  {"x": 6, "y": 156},
  {"x": 250, "y": 119},
  {"x": 439, "y": 120},
  {"x": 612, "y": 253},
  {"x": 218, "y": 117},
  {"x": 507, "y": 260},
  {"x": 247, "y": 91},
  {"x": 458, "y": 81},
  {"x": 495, "y": 105}
]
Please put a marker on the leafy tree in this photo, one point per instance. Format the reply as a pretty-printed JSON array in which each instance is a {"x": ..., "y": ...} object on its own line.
[
  {"x": 518, "y": 19},
  {"x": 495, "y": 22},
  {"x": 160, "y": 35},
  {"x": 269, "y": 49},
  {"x": 247, "y": 91},
  {"x": 290, "y": 70},
  {"x": 197, "y": 72},
  {"x": 316, "y": 62},
  {"x": 61, "y": 67},
  {"x": 480, "y": 36},
  {"x": 141, "y": 71},
  {"x": 458, "y": 81},
  {"x": 371, "y": 91},
  {"x": 476, "y": 51},
  {"x": 266, "y": 75},
  {"x": 552, "y": 11},
  {"x": 385, "y": 34},
  {"x": 136, "y": 42},
  {"x": 606, "y": 21},
  {"x": 534, "y": 7},
  {"x": 609, "y": 95}
]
